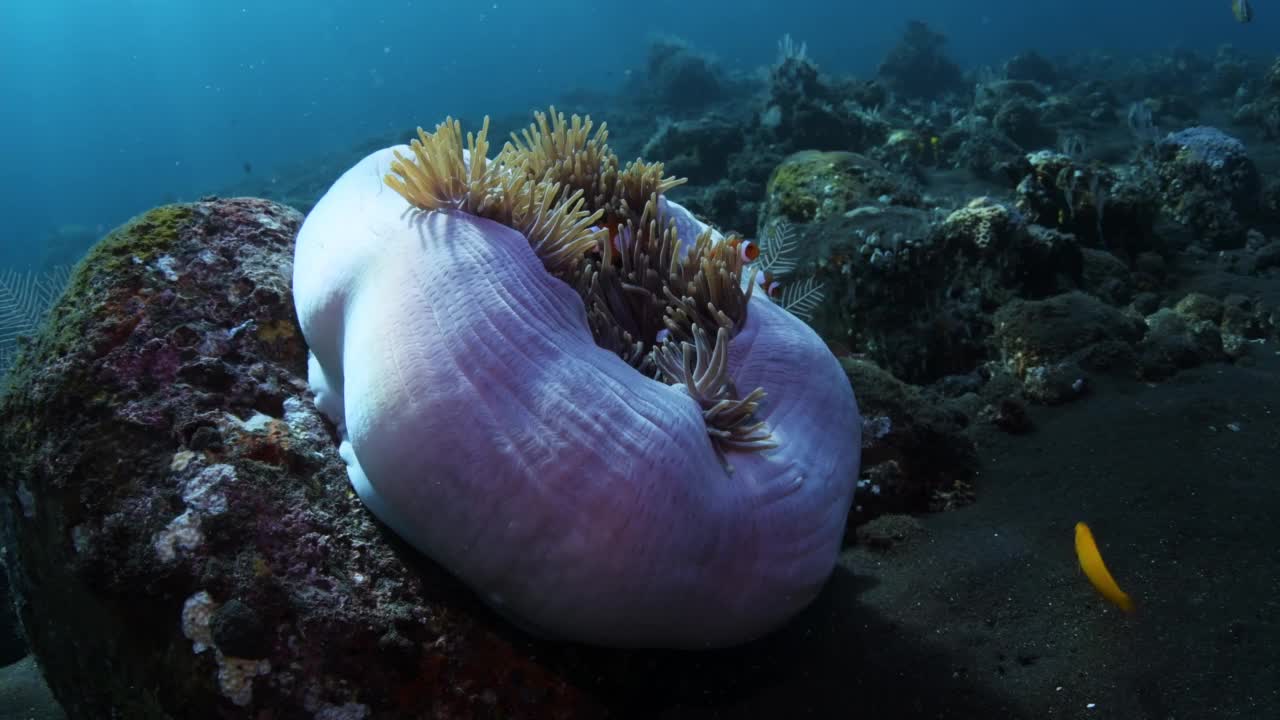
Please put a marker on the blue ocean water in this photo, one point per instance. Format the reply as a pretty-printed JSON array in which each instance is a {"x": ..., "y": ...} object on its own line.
[{"x": 110, "y": 107}]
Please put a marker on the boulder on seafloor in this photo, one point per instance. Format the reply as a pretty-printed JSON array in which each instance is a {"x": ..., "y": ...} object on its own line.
[
  {"x": 914, "y": 445},
  {"x": 184, "y": 541},
  {"x": 1208, "y": 183}
]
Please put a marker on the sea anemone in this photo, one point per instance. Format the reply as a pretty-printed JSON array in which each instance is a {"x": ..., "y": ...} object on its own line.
[
  {"x": 534, "y": 362},
  {"x": 635, "y": 279}
]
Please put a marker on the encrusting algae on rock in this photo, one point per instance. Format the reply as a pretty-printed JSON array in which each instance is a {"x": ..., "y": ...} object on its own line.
[{"x": 208, "y": 542}]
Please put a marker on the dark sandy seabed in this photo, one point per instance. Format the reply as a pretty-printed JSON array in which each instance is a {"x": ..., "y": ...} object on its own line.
[
  {"x": 983, "y": 612},
  {"x": 23, "y": 695},
  {"x": 986, "y": 613}
]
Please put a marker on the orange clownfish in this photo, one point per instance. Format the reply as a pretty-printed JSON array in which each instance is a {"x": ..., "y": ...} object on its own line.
[
  {"x": 1096, "y": 571},
  {"x": 619, "y": 236},
  {"x": 748, "y": 251},
  {"x": 769, "y": 284}
]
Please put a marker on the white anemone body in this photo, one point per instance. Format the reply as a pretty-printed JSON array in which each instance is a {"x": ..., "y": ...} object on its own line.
[{"x": 482, "y": 424}]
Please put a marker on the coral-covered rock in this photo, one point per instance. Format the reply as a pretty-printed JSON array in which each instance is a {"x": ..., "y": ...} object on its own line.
[
  {"x": 1051, "y": 344},
  {"x": 1272, "y": 77},
  {"x": 1101, "y": 209},
  {"x": 1035, "y": 337},
  {"x": 1249, "y": 318},
  {"x": 914, "y": 448},
  {"x": 681, "y": 78},
  {"x": 1022, "y": 123},
  {"x": 1199, "y": 328},
  {"x": 1106, "y": 276},
  {"x": 993, "y": 248},
  {"x": 1209, "y": 185},
  {"x": 809, "y": 111},
  {"x": 991, "y": 95},
  {"x": 1009, "y": 415},
  {"x": 1175, "y": 341},
  {"x": 1054, "y": 383},
  {"x": 916, "y": 296},
  {"x": 887, "y": 532},
  {"x": 185, "y": 542},
  {"x": 696, "y": 149},
  {"x": 1263, "y": 110},
  {"x": 917, "y": 67},
  {"x": 810, "y": 186},
  {"x": 1031, "y": 66},
  {"x": 981, "y": 149}
]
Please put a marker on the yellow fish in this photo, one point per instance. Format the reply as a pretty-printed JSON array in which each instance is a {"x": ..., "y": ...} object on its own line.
[
  {"x": 1096, "y": 571},
  {"x": 1242, "y": 10}
]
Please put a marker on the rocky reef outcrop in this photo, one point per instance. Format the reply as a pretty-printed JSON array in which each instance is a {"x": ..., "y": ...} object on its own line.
[{"x": 177, "y": 510}]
